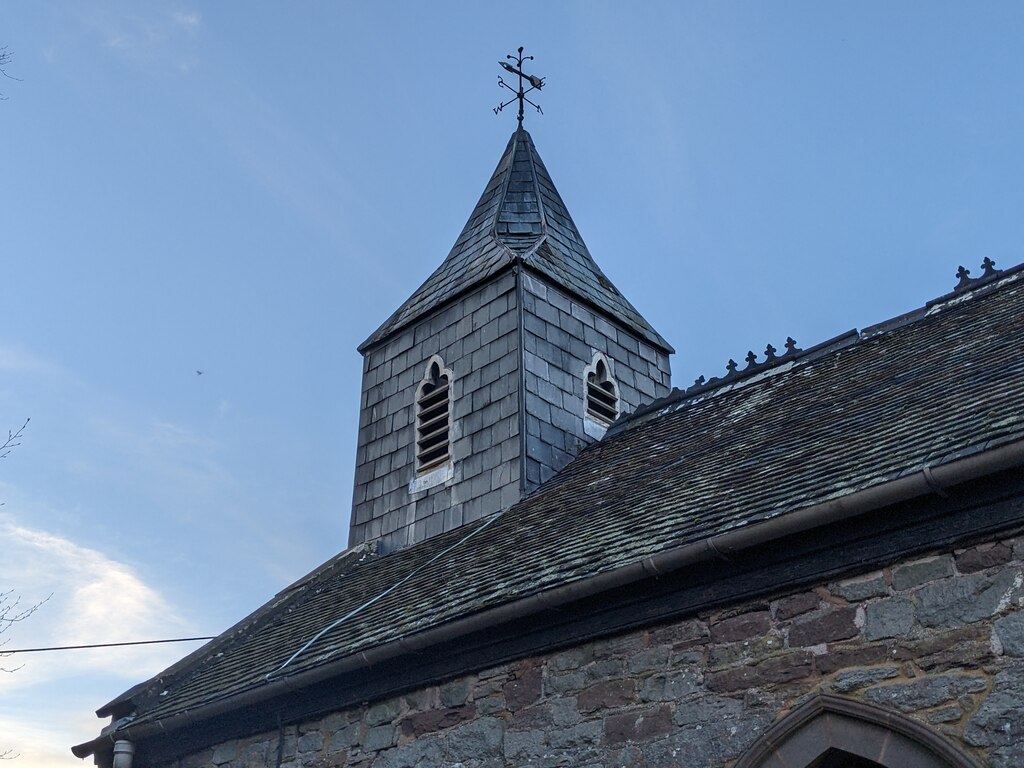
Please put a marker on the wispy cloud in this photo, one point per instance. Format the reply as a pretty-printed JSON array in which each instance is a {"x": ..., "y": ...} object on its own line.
[
  {"x": 44, "y": 743},
  {"x": 283, "y": 159},
  {"x": 188, "y": 20},
  {"x": 102, "y": 441},
  {"x": 17, "y": 360},
  {"x": 95, "y": 455},
  {"x": 170, "y": 467},
  {"x": 46, "y": 704},
  {"x": 146, "y": 36},
  {"x": 95, "y": 599}
]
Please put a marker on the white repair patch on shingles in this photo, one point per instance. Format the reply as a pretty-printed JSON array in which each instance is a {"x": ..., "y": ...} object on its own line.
[
  {"x": 716, "y": 391},
  {"x": 750, "y": 404},
  {"x": 969, "y": 294}
]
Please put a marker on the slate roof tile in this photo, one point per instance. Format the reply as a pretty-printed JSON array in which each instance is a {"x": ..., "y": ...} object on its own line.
[
  {"x": 520, "y": 218},
  {"x": 947, "y": 382}
]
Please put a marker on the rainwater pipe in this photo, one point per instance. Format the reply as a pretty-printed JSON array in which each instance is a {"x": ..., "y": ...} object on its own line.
[{"x": 124, "y": 752}]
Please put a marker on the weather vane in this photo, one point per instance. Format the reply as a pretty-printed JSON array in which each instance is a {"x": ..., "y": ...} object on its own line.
[{"x": 536, "y": 83}]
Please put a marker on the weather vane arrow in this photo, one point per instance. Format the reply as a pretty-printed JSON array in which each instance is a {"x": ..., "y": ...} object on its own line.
[{"x": 536, "y": 83}]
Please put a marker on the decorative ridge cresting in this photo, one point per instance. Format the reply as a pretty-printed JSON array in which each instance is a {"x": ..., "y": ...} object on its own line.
[
  {"x": 990, "y": 276},
  {"x": 990, "y": 279},
  {"x": 967, "y": 282},
  {"x": 733, "y": 374},
  {"x": 733, "y": 371}
]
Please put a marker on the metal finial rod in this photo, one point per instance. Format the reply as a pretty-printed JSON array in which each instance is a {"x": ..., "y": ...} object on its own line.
[{"x": 536, "y": 83}]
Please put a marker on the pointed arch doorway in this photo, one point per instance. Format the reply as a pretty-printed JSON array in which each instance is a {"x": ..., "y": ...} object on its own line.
[{"x": 835, "y": 732}]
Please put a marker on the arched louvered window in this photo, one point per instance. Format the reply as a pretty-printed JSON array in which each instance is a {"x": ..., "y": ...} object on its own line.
[
  {"x": 602, "y": 392},
  {"x": 433, "y": 417}
]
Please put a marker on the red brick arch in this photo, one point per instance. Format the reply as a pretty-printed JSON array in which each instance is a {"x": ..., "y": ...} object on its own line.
[{"x": 835, "y": 727}]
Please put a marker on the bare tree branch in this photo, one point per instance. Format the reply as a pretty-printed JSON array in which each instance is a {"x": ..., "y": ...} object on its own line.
[
  {"x": 13, "y": 438},
  {"x": 6, "y": 57},
  {"x": 11, "y": 610}
]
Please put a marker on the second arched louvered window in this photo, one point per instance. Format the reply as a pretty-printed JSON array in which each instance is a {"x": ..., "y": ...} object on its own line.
[
  {"x": 602, "y": 393},
  {"x": 433, "y": 418}
]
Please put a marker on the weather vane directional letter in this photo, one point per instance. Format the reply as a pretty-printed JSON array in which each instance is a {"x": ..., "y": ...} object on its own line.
[{"x": 536, "y": 83}]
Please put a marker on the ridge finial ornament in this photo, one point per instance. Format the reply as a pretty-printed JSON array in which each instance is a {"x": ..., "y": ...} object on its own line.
[
  {"x": 989, "y": 270},
  {"x": 733, "y": 371},
  {"x": 536, "y": 83},
  {"x": 965, "y": 276}
]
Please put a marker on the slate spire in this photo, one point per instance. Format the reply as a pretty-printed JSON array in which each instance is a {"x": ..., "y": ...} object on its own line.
[
  {"x": 513, "y": 355},
  {"x": 520, "y": 218}
]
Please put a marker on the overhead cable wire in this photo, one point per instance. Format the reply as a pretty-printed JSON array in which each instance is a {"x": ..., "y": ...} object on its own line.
[
  {"x": 274, "y": 673},
  {"x": 103, "y": 645}
]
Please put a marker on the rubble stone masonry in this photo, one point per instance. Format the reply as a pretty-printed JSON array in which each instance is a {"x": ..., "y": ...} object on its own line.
[{"x": 939, "y": 638}]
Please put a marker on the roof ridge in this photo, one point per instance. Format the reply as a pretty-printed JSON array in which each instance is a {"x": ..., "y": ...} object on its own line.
[
  {"x": 753, "y": 372},
  {"x": 510, "y": 150},
  {"x": 536, "y": 187},
  {"x": 992, "y": 278},
  {"x": 967, "y": 289}
]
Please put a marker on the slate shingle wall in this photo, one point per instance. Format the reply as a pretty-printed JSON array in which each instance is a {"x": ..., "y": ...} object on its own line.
[
  {"x": 559, "y": 339},
  {"x": 477, "y": 337},
  {"x": 478, "y": 340}
]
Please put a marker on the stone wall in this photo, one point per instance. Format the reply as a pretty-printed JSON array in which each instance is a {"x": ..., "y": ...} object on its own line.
[{"x": 939, "y": 638}]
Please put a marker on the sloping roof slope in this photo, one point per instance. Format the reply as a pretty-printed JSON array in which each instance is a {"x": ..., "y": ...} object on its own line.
[
  {"x": 930, "y": 387},
  {"x": 520, "y": 217}
]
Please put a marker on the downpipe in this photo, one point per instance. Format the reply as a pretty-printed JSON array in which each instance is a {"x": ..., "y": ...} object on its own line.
[{"x": 124, "y": 754}]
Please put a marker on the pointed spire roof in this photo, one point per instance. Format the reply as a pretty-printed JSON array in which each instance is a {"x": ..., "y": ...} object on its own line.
[{"x": 520, "y": 218}]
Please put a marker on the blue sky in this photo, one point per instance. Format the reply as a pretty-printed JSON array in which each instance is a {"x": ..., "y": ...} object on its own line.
[{"x": 249, "y": 189}]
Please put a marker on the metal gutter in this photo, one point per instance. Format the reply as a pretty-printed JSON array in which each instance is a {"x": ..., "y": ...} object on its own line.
[{"x": 934, "y": 479}]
